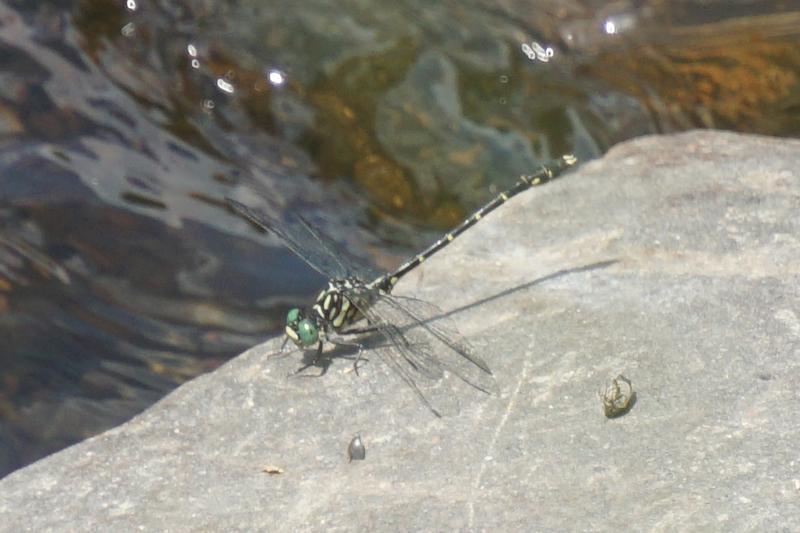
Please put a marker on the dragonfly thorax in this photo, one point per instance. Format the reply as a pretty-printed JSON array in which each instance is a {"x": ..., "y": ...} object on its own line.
[{"x": 334, "y": 307}]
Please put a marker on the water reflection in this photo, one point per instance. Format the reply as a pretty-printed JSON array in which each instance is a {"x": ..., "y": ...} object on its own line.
[{"x": 124, "y": 124}]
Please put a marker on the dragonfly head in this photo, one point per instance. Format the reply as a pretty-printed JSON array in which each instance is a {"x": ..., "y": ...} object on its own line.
[{"x": 303, "y": 331}]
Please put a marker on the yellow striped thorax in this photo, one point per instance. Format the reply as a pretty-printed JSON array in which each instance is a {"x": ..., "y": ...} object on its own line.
[{"x": 334, "y": 307}]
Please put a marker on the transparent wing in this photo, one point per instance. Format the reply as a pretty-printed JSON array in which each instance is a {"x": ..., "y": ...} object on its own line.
[
  {"x": 316, "y": 249},
  {"x": 404, "y": 359},
  {"x": 424, "y": 322},
  {"x": 421, "y": 344}
]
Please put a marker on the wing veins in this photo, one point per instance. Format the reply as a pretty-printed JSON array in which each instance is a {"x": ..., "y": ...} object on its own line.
[{"x": 437, "y": 332}]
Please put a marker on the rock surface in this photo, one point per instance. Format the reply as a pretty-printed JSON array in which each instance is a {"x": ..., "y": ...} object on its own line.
[{"x": 673, "y": 260}]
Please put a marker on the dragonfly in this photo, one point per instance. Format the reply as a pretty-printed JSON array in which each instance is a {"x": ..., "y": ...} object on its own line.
[{"x": 419, "y": 343}]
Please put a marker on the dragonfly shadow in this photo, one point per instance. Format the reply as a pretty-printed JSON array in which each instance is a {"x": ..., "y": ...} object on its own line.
[{"x": 529, "y": 284}]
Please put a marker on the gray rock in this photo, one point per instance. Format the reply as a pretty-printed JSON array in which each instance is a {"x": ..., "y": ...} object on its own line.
[{"x": 673, "y": 260}]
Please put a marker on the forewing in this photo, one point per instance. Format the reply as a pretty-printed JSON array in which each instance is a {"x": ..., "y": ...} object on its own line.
[
  {"x": 420, "y": 345},
  {"x": 307, "y": 242},
  {"x": 423, "y": 320}
]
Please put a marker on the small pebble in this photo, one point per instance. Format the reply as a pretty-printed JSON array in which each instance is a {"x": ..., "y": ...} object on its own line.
[{"x": 356, "y": 450}]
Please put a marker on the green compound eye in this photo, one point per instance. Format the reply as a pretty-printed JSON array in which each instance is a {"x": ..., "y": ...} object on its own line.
[
  {"x": 307, "y": 332},
  {"x": 303, "y": 331}
]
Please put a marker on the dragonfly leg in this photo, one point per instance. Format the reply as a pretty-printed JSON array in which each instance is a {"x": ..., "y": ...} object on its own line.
[
  {"x": 316, "y": 361},
  {"x": 358, "y": 359},
  {"x": 281, "y": 352},
  {"x": 360, "y": 351}
]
